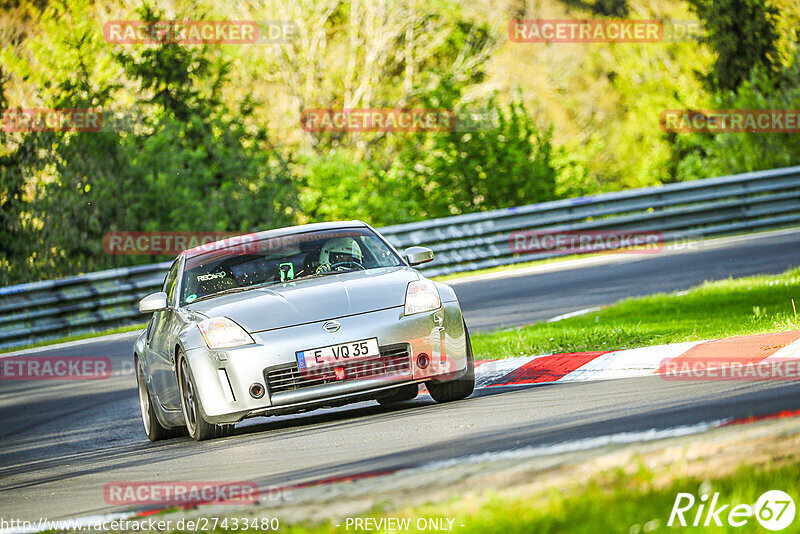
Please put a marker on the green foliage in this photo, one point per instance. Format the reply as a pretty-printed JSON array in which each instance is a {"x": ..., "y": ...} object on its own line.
[
  {"x": 509, "y": 165},
  {"x": 188, "y": 164},
  {"x": 495, "y": 157},
  {"x": 337, "y": 186},
  {"x": 743, "y": 34},
  {"x": 705, "y": 155},
  {"x": 12, "y": 184},
  {"x": 381, "y": 54},
  {"x": 200, "y": 155},
  {"x": 502, "y": 159},
  {"x": 631, "y": 150},
  {"x": 173, "y": 75},
  {"x": 606, "y": 8},
  {"x": 162, "y": 181}
]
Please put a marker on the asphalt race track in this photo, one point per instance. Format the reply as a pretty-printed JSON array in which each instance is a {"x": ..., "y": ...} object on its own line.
[{"x": 62, "y": 442}]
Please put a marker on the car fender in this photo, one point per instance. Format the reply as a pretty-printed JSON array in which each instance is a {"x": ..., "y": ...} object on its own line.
[
  {"x": 446, "y": 293},
  {"x": 165, "y": 419},
  {"x": 203, "y": 365}
]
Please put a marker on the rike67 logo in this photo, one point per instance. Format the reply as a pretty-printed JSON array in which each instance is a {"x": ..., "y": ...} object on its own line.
[{"x": 774, "y": 510}]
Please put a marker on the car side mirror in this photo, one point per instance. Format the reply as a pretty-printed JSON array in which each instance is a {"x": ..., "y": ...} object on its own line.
[
  {"x": 418, "y": 255},
  {"x": 153, "y": 302}
]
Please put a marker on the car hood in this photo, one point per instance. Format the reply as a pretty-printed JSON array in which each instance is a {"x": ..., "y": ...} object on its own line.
[{"x": 311, "y": 300}]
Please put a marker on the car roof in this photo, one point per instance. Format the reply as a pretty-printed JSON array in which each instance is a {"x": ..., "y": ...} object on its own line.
[{"x": 276, "y": 232}]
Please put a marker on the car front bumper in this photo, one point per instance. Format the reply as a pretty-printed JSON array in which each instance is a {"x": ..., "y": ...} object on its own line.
[{"x": 224, "y": 377}]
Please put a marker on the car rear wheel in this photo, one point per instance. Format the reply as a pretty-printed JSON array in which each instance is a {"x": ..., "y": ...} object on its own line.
[
  {"x": 152, "y": 427},
  {"x": 199, "y": 429},
  {"x": 460, "y": 388},
  {"x": 401, "y": 394}
]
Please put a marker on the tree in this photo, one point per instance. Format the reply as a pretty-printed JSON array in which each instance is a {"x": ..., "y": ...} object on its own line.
[
  {"x": 13, "y": 156},
  {"x": 375, "y": 53},
  {"x": 188, "y": 164},
  {"x": 704, "y": 155},
  {"x": 339, "y": 186},
  {"x": 504, "y": 160},
  {"x": 743, "y": 34}
]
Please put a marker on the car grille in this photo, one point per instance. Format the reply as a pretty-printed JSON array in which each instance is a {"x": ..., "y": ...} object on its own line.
[{"x": 394, "y": 360}]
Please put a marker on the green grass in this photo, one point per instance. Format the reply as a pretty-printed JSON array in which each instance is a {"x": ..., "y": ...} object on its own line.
[
  {"x": 733, "y": 307},
  {"x": 615, "y": 501},
  {"x": 77, "y": 337},
  {"x": 621, "y": 503}
]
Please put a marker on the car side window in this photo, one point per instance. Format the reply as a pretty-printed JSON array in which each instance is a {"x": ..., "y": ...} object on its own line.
[{"x": 171, "y": 281}]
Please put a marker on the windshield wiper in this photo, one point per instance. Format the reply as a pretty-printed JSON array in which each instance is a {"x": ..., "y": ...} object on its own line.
[
  {"x": 326, "y": 273},
  {"x": 231, "y": 290}
]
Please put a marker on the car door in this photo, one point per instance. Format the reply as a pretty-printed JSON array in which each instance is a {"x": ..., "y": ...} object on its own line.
[{"x": 162, "y": 343}]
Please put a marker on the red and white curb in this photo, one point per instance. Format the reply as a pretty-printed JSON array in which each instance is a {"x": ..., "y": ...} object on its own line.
[{"x": 630, "y": 363}]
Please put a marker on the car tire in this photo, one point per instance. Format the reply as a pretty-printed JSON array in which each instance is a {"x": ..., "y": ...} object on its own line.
[
  {"x": 196, "y": 425},
  {"x": 152, "y": 428},
  {"x": 460, "y": 388},
  {"x": 401, "y": 394}
]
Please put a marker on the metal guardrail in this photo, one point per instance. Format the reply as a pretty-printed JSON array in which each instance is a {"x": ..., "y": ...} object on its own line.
[
  {"x": 40, "y": 311},
  {"x": 713, "y": 207}
]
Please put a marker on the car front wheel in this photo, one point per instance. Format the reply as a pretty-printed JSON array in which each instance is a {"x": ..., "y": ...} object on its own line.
[
  {"x": 460, "y": 388},
  {"x": 199, "y": 429}
]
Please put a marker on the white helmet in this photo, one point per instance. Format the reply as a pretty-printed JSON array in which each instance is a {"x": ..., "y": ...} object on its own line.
[{"x": 339, "y": 245}]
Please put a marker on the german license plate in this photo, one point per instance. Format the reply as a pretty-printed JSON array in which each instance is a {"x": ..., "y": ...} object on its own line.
[{"x": 337, "y": 354}]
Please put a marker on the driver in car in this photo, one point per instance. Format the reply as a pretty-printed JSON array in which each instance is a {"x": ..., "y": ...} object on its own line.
[{"x": 339, "y": 252}]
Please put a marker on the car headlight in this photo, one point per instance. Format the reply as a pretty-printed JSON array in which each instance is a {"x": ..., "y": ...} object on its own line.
[
  {"x": 221, "y": 332},
  {"x": 421, "y": 296}
]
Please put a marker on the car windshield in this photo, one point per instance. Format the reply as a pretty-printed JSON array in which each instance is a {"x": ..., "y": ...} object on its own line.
[{"x": 283, "y": 259}]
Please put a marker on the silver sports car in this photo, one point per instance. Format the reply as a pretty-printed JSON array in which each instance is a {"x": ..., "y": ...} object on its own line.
[{"x": 291, "y": 320}]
